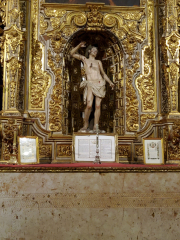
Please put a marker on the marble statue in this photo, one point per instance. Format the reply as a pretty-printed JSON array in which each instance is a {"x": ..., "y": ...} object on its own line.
[{"x": 94, "y": 85}]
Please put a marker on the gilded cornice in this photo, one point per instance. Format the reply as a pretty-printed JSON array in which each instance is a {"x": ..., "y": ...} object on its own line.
[{"x": 84, "y": 7}]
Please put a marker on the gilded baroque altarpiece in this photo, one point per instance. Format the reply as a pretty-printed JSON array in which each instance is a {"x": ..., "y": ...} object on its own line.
[{"x": 139, "y": 49}]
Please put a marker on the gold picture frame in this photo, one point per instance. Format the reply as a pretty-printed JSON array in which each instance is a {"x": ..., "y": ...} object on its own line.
[
  {"x": 153, "y": 151},
  {"x": 28, "y": 150}
]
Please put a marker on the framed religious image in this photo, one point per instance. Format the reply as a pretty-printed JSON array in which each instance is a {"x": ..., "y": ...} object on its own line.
[
  {"x": 153, "y": 150},
  {"x": 28, "y": 150}
]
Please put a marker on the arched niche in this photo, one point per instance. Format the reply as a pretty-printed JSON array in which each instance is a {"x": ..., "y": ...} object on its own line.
[
  {"x": 119, "y": 42},
  {"x": 111, "y": 54}
]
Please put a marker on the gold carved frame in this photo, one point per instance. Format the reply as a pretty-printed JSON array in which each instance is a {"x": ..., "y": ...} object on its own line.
[
  {"x": 35, "y": 94},
  {"x": 133, "y": 28},
  {"x": 31, "y": 147}
]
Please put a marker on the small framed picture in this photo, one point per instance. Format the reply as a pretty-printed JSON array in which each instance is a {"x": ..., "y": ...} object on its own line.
[
  {"x": 153, "y": 150},
  {"x": 28, "y": 150}
]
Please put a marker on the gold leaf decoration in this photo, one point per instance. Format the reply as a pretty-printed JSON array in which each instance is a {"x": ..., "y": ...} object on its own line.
[
  {"x": 132, "y": 104},
  {"x": 124, "y": 151},
  {"x": 55, "y": 22},
  {"x": 142, "y": 28},
  {"x": 13, "y": 77},
  {"x": 174, "y": 142},
  {"x": 132, "y": 15},
  {"x": 51, "y": 12},
  {"x": 173, "y": 43},
  {"x": 94, "y": 17},
  {"x": 144, "y": 117},
  {"x": 173, "y": 86},
  {"x": 139, "y": 150},
  {"x": 40, "y": 80},
  {"x": 64, "y": 150},
  {"x": 56, "y": 102},
  {"x": 45, "y": 150},
  {"x": 80, "y": 20},
  {"x": 146, "y": 83},
  {"x": 109, "y": 21},
  {"x": 40, "y": 115},
  {"x": 43, "y": 25},
  {"x": 3, "y": 11}
]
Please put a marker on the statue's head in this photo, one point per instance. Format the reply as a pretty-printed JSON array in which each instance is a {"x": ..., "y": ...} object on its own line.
[{"x": 91, "y": 50}]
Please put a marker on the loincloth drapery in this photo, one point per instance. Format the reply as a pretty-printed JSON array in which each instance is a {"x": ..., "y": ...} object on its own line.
[{"x": 98, "y": 89}]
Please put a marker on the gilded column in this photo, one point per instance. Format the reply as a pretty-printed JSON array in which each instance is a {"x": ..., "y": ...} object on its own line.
[
  {"x": 13, "y": 42},
  {"x": 171, "y": 51}
]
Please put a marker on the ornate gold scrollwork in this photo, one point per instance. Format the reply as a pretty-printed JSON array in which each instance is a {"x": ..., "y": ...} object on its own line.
[
  {"x": 8, "y": 135},
  {"x": 68, "y": 31},
  {"x": 56, "y": 102},
  {"x": 45, "y": 150},
  {"x": 137, "y": 15},
  {"x": 12, "y": 49},
  {"x": 110, "y": 21},
  {"x": 145, "y": 117},
  {"x": 40, "y": 80},
  {"x": 146, "y": 83},
  {"x": 55, "y": 22},
  {"x": 13, "y": 77},
  {"x": 142, "y": 28},
  {"x": 80, "y": 19},
  {"x": 40, "y": 115},
  {"x": 164, "y": 49},
  {"x": 170, "y": 57},
  {"x": 173, "y": 86},
  {"x": 94, "y": 17},
  {"x": 129, "y": 27},
  {"x": 14, "y": 38},
  {"x": 126, "y": 31},
  {"x": 2, "y": 45},
  {"x": 58, "y": 39},
  {"x": 3, "y": 11},
  {"x": 43, "y": 25},
  {"x": 139, "y": 150},
  {"x": 57, "y": 13},
  {"x": 124, "y": 151},
  {"x": 174, "y": 142},
  {"x": 64, "y": 150},
  {"x": 57, "y": 42},
  {"x": 13, "y": 14},
  {"x": 173, "y": 43},
  {"x": 164, "y": 60},
  {"x": 131, "y": 100},
  {"x": 172, "y": 20}
]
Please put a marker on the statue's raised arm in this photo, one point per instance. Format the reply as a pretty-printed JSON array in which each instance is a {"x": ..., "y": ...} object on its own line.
[{"x": 76, "y": 55}]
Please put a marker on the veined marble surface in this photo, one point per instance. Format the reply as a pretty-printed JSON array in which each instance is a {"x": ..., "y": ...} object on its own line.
[{"x": 89, "y": 206}]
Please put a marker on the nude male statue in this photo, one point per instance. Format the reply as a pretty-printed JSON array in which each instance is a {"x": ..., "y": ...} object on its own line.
[{"x": 94, "y": 84}]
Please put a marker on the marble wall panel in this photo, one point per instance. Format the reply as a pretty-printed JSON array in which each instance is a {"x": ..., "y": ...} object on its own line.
[{"x": 89, "y": 206}]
